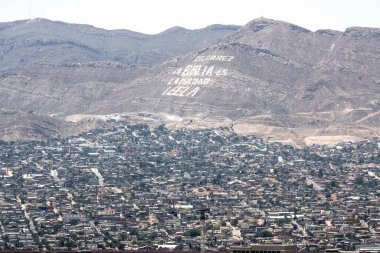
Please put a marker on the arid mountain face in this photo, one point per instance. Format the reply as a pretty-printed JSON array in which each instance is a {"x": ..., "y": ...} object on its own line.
[
  {"x": 269, "y": 77},
  {"x": 279, "y": 79},
  {"x": 53, "y": 69},
  {"x": 23, "y": 43}
]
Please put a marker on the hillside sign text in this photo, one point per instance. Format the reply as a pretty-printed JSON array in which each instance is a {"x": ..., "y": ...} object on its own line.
[{"x": 187, "y": 81}]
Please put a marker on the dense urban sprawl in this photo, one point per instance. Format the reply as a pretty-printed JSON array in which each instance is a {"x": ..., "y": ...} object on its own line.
[{"x": 135, "y": 187}]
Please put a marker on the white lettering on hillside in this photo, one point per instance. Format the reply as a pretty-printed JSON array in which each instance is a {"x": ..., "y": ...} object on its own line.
[
  {"x": 181, "y": 91},
  {"x": 186, "y": 81},
  {"x": 201, "y": 58}
]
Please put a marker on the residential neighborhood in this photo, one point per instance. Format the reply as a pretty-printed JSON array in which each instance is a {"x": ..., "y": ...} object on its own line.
[{"x": 135, "y": 187}]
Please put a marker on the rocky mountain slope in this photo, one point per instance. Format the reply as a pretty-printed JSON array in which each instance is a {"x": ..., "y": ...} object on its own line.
[
  {"x": 269, "y": 77},
  {"x": 15, "y": 125},
  {"x": 279, "y": 79},
  {"x": 26, "y": 42}
]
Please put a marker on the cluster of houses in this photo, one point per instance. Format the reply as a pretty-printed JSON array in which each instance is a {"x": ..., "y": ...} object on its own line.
[{"x": 134, "y": 187}]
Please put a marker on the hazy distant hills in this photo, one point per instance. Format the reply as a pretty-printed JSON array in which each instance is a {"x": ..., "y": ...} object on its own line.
[
  {"x": 51, "y": 42},
  {"x": 268, "y": 77}
]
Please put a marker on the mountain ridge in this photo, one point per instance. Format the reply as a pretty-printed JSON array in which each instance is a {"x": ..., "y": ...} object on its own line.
[
  {"x": 269, "y": 77},
  {"x": 40, "y": 40}
]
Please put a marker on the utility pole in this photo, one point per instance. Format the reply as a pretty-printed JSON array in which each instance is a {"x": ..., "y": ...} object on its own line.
[
  {"x": 30, "y": 10},
  {"x": 203, "y": 217}
]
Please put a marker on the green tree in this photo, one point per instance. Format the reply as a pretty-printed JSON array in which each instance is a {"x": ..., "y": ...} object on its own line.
[
  {"x": 133, "y": 231},
  {"x": 320, "y": 173},
  {"x": 193, "y": 232},
  {"x": 265, "y": 233},
  {"x": 359, "y": 180},
  {"x": 19, "y": 244},
  {"x": 234, "y": 222},
  {"x": 70, "y": 244},
  {"x": 74, "y": 222},
  {"x": 334, "y": 184}
]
